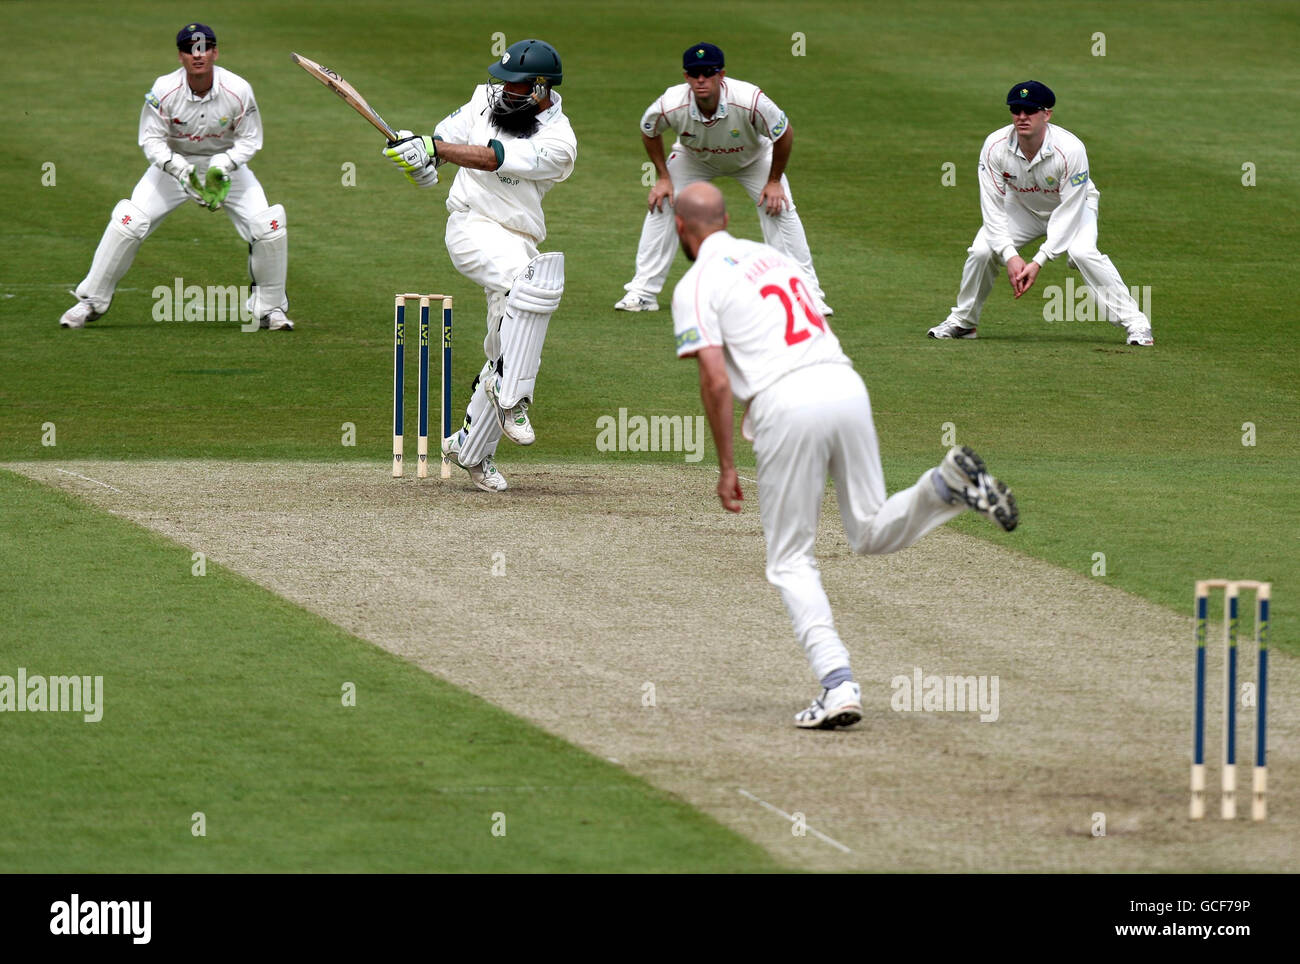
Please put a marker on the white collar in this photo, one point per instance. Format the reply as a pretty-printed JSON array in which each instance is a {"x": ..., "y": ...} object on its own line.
[
  {"x": 549, "y": 114},
  {"x": 718, "y": 114},
  {"x": 1044, "y": 150},
  {"x": 211, "y": 90}
]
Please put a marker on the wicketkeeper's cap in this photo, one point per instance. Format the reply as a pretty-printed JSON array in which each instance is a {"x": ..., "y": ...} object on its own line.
[
  {"x": 703, "y": 55},
  {"x": 189, "y": 35},
  {"x": 1031, "y": 93}
]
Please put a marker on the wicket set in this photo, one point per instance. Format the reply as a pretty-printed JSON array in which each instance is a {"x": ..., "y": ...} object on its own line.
[
  {"x": 1231, "y": 591},
  {"x": 399, "y": 380}
]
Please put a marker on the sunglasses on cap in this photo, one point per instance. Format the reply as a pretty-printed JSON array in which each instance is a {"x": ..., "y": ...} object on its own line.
[
  {"x": 1025, "y": 109},
  {"x": 702, "y": 71}
]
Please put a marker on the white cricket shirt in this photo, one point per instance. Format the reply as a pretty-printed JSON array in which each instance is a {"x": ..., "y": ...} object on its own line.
[
  {"x": 1054, "y": 187},
  {"x": 740, "y": 131},
  {"x": 530, "y": 166},
  {"x": 225, "y": 119},
  {"x": 755, "y": 303}
]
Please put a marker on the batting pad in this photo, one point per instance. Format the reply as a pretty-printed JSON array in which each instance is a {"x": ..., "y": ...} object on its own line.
[
  {"x": 484, "y": 429},
  {"x": 268, "y": 260},
  {"x": 126, "y": 229},
  {"x": 532, "y": 300}
]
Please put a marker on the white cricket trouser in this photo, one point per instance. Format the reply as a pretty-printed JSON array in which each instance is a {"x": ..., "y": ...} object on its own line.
[
  {"x": 983, "y": 263},
  {"x": 813, "y": 421},
  {"x": 658, "y": 245},
  {"x": 158, "y": 194},
  {"x": 491, "y": 256}
]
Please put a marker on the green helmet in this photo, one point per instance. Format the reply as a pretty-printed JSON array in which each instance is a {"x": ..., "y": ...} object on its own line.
[{"x": 531, "y": 61}]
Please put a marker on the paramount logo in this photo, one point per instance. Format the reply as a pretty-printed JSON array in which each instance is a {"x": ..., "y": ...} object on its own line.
[
  {"x": 658, "y": 433},
  {"x": 75, "y": 917},
  {"x": 182, "y": 302},
  {"x": 919, "y": 693},
  {"x": 53, "y": 694}
]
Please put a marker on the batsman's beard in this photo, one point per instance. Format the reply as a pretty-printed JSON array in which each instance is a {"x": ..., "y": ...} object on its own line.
[{"x": 514, "y": 114}]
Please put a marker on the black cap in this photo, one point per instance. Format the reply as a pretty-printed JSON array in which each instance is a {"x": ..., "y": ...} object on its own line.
[
  {"x": 186, "y": 39},
  {"x": 702, "y": 55},
  {"x": 1031, "y": 94}
]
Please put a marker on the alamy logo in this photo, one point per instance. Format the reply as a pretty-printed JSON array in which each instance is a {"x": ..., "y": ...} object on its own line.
[
  {"x": 182, "y": 302},
  {"x": 111, "y": 917},
  {"x": 919, "y": 693},
  {"x": 53, "y": 694},
  {"x": 658, "y": 433},
  {"x": 1085, "y": 303}
]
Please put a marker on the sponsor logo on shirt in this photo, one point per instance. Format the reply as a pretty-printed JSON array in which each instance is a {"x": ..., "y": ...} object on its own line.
[
  {"x": 512, "y": 181},
  {"x": 1080, "y": 178},
  {"x": 734, "y": 132},
  {"x": 780, "y": 127},
  {"x": 714, "y": 150},
  {"x": 689, "y": 337},
  {"x": 151, "y": 100}
]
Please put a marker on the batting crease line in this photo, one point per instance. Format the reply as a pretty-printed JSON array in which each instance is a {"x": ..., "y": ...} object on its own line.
[
  {"x": 88, "y": 479},
  {"x": 816, "y": 833},
  {"x": 743, "y": 478}
]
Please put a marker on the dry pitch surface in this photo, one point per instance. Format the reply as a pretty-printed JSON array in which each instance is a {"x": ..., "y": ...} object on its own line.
[{"x": 632, "y": 575}]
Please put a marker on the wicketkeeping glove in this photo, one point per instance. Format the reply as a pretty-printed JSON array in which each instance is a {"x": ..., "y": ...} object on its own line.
[
  {"x": 416, "y": 156},
  {"x": 183, "y": 171},
  {"x": 216, "y": 184}
]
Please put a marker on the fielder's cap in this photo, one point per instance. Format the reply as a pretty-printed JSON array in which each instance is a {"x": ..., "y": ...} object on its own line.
[
  {"x": 189, "y": 35},
  {"x": 1031, "y": 93},
  {"x": 703, "y": 55}
]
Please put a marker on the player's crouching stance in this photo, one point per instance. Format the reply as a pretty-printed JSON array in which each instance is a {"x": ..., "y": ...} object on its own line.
[
  {"x": 1034, "y": 181},
  {"x": 199, "y": 128},
  {"x": 513, "y": 144},
  {"x": 744, "y": 311}
]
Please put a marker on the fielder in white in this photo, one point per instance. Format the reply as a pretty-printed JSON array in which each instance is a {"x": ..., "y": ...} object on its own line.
[
  {"x": 744, "y": 310},
  {"x": 513, "y": 144},
  {"x": 1034, "y": 181},
  {"x": 199, "y": 128},
  {"x": 724, "y": 128}
]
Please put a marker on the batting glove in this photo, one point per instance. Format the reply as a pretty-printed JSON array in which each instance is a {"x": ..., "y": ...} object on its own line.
[{"x": 416, "y": 156}]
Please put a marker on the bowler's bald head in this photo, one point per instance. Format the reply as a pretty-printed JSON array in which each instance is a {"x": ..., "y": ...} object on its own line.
[
  {"x": 699, "y": 211},
  {"x": 701, "y": 207}
]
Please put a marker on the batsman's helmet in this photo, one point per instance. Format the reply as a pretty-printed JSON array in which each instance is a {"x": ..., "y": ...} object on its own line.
[{"x": 532, "y": 61}]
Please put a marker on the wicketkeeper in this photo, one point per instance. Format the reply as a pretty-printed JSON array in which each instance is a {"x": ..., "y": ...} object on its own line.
[{"x": 199, "y": 128}]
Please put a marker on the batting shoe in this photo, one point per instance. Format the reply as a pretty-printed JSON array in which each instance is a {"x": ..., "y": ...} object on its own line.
[
  {"x": 484, "y": 475},
  {"x": 79, "y": 314},
  {"x": 951, "y": 329},
  {"x": 841, "y": 706},
  {"x": 276, "y": 320},
  {"x": 514, "y": 420},
  {"x": 968, "y": 480},
  {"x": 1140, "y": 335},
  {"x": 635, "y": 302}
]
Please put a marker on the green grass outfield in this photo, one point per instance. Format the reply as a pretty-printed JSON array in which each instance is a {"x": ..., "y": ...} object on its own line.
[
  {"x": 1135, "y": 454},
  {"x": 221, "y": 698}
]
